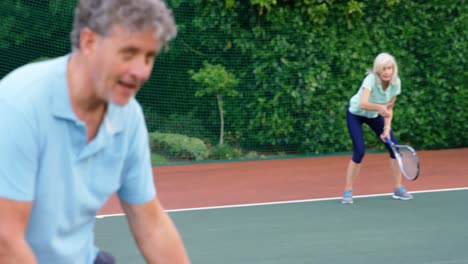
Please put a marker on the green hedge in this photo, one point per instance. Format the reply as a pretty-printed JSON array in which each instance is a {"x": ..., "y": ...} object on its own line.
[
  {"x": 178, "y": 146},
  {"x": 297, "y": 62}
]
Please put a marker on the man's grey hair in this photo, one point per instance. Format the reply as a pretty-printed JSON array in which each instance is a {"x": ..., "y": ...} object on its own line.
[{"x": 135, "y": 15}]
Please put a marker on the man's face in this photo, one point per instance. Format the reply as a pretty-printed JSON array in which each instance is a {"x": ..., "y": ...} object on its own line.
[{"x": 121, "y": 62}]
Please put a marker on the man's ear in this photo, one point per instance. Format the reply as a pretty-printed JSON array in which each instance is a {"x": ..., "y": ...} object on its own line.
[{"x": 88, "y": 39}]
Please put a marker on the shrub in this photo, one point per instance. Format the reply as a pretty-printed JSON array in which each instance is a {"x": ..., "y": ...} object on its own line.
[
  {"x": 178, "y": 146},
  {"x": 224, "y": 152}
]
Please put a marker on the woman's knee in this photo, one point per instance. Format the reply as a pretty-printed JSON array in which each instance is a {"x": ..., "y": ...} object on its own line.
[{"x": 358, "y": 156}]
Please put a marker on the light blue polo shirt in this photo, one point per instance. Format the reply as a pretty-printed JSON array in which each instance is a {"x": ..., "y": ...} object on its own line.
[
  {"x": 44, "y": 158},
  {"x": 377, "y": 96}
]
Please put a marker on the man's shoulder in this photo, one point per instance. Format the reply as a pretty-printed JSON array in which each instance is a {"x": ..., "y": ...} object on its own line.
[
  {"x": 26, "y": 92},
  {"x": 35, "y": 71},
  {"x": 30, "y": 83}
]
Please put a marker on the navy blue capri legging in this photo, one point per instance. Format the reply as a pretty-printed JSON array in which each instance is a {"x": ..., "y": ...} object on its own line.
[{"x": 355, "y": 131}]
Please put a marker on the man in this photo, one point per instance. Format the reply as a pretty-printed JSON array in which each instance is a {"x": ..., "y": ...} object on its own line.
[{"x": 72, "y": 134}]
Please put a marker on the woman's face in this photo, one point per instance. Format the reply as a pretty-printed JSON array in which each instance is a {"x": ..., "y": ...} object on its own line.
[{"x": 387, "y": 72}]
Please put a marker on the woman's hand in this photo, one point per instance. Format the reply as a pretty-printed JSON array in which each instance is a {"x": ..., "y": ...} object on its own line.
[
  {"x": 385, "y": 134},
  {"x": 385, "y": 111}
]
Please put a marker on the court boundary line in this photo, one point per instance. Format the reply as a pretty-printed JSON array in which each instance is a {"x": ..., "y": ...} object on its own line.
[{"x": 286, "y": 202}]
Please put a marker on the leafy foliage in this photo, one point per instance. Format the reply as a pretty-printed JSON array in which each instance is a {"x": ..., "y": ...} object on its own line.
[
  {"x": 303, "y": 60},
  {"x": 216, "y": 81},
  {"x": 178, "y": 146},
  {"x": 296, "y": 64},
  {"x": 33, "y": 29},
  {"x": 224, "y": 152}
]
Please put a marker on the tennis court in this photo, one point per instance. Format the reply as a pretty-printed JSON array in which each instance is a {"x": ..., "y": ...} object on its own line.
[{"x": 289, "y": 211}]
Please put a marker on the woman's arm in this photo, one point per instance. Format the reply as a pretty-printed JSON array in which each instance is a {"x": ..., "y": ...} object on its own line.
[
  {"x": 366, "y": 105},
  {"x": 388, "y": 120}
]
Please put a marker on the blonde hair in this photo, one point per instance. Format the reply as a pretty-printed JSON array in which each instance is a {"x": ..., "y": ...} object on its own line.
[{"x": 379, "y": 62}]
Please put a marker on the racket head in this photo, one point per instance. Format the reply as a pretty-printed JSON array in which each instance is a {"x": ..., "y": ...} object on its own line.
[
  {"x": 410, "y": 162},
  {"x": 407, "y": 159}
]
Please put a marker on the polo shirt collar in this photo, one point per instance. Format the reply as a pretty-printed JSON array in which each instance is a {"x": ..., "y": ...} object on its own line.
[
  {"x": 60, "y": 98},
  {"x": 114, "y": 119}
]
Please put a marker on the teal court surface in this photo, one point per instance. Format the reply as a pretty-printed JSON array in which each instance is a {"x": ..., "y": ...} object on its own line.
[{"x": 431, "y": 229}]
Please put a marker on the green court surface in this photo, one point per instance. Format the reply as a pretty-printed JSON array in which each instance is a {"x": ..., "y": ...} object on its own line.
[{"x": 432, "y": 228}]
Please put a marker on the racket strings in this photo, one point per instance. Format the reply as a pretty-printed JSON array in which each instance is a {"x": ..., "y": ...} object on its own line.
[{"x": 410, "y": 163}]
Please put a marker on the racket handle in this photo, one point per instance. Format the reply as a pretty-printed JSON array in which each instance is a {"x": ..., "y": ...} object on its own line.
[{"x": 389, "y": 141}]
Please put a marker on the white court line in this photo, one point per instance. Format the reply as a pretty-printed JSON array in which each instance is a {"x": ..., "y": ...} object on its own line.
[{"x": 288, "y": 202}]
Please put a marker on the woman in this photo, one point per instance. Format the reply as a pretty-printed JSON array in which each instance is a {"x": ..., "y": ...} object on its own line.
[{"x": 373, "y": 105}]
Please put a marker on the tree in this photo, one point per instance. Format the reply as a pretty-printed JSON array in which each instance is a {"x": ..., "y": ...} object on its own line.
[{"x": 216, "y": 80}]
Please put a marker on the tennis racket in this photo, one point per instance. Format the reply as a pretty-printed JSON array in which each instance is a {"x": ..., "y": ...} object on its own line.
[{"x": 407, "y": 159}]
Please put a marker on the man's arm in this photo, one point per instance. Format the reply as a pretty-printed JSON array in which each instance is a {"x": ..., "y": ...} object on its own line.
[
  {"x": 13, "y": 223},
  {"x": 155, "y": 233}
]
